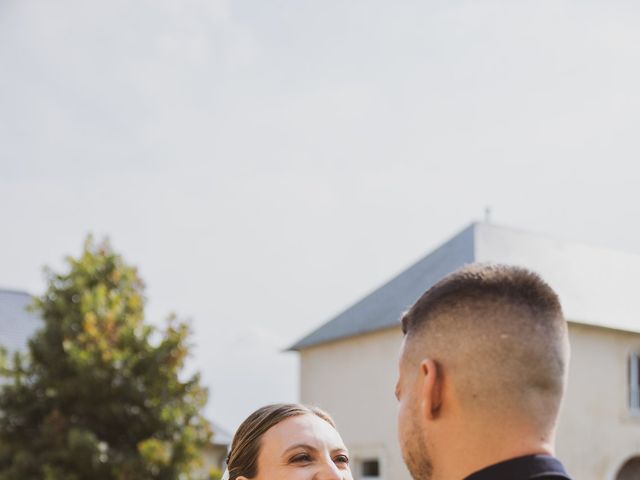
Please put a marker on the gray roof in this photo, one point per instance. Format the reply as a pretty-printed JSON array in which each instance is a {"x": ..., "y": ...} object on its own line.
[
  {"x": 596, "y": 286},
  {"x": 220, "y": 435},
  {"x": 17, "y": 324},
  {"x": 383, "y": 307}
]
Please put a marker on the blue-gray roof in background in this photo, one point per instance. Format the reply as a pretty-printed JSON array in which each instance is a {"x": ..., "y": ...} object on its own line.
[
  {"x": 597, "y": 286},
  {"x": 220, "y": 435},
  {"x": 17, "y": 324},
  {"x": 384, "y": 306}
]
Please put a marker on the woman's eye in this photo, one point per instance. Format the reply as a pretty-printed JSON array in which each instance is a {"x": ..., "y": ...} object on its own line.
[
  {"x": 342, "y": 459},
  {"x": 303, "y": 457}
]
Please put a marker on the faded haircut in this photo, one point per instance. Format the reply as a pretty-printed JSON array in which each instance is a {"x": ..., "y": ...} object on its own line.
[
  {"x": 489, "y": 284},
  {"x": 501, "y": 330}
]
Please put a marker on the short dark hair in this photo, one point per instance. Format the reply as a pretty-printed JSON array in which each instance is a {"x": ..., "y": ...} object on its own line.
[
  {"x": 500, "y": 332},
  {"x": 487, "y": 284}
]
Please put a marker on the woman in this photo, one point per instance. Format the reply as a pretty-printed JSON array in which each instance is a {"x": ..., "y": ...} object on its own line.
[{"x": 288, "y": 442}]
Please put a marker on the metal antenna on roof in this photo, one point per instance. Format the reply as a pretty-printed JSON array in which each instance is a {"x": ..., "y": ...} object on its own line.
[{"x": 487, "y": 214}]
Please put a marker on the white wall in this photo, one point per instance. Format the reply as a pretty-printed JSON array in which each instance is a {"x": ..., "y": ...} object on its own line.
[
  {"x": 597, "y": 432},
  {"x": 354, "y": 380},
  {"x": 576, "y": 272}
]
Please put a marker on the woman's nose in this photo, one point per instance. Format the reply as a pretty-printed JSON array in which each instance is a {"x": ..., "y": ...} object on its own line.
[{"x": 330, "y": 471}]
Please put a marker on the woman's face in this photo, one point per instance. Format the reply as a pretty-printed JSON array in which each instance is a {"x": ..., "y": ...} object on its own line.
[{"x": 304, "y": 447}]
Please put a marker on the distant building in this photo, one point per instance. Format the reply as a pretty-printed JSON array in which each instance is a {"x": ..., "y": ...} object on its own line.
[
  {"x": 349, "y": 365},
  {"x": 215, "y": 454},
  {"x": 17, "y": 325}
]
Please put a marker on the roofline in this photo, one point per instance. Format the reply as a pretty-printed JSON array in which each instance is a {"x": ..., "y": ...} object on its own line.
[
  {"x": 582, "y": 323},
  {"x": 480, "y": 230},
  {"x": 556, "y": 238},
  {"x": 300, "y": 344},
  {"x": 591, "y": 324},
  {"x": 15, "y": 291},
  {"x": 296, "y": 348}
]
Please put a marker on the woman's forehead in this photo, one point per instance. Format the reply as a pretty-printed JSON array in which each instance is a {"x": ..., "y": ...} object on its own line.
[{"x": 306, "y": 429}]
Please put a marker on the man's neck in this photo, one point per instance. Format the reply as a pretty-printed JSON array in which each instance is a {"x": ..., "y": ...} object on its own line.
[{"x": 469, "y": 453}]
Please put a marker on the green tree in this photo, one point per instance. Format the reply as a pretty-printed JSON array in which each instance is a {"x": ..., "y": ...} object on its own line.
[{"x": 100, "y": 394}]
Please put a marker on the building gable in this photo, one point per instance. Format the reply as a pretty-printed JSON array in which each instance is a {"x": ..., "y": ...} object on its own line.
[
  {"x": 383, "y": 307},
  {"x": 596, "y": 286}
]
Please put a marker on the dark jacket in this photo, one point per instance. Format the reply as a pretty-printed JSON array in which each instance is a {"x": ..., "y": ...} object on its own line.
[{"x": 531, "y": 467}]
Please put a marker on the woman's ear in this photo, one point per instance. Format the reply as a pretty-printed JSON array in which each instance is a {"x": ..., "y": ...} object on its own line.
[{"x": 431, "y": 387}]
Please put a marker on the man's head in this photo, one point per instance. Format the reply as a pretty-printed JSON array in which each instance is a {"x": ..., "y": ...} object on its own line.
[{"x": 485, "y": 354}]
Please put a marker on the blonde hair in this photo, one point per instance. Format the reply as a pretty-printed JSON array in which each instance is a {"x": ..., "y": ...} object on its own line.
[{"x": 245, "y": 447}]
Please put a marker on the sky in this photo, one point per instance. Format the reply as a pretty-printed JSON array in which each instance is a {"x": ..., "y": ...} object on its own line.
[{"x": 266, "y": 164}]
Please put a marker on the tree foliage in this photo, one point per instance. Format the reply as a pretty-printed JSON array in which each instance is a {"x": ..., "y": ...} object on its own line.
[{"x": 100, "y": 394}]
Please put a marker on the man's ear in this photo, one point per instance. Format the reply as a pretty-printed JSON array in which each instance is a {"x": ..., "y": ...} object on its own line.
[{"x": 431, "y": 387}]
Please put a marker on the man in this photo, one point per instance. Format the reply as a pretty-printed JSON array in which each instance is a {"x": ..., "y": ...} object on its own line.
[{"x": 482, "y": 372}]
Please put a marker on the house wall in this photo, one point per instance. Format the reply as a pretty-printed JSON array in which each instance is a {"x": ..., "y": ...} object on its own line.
[
  {"x": 597, "y": 432},
  {"x": 354, "y": 380},
  {"x": 213, "y": 457}
]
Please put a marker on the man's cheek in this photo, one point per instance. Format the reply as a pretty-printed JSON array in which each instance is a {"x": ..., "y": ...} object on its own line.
[{"x": 402, "y": 420}]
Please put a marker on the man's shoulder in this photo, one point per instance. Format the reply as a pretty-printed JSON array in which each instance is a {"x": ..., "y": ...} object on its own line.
[
  {"x": 550, "y": 476},
  {"x": 530, "y": 467}
]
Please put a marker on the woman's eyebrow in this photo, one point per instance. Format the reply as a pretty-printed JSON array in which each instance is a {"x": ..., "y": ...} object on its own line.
[
  {"x": 341, "y": 450},
  {"x": 306, "y": 446}
]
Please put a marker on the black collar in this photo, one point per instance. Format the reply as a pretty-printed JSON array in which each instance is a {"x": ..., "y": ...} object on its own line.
[{"x": 523, "y": 468}]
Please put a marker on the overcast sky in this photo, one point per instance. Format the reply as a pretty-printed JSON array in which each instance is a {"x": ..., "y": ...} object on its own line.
[{"x": 266, "y": 163}]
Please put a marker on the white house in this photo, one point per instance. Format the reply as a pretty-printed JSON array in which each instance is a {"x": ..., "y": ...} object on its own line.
[{"x": 349, "y": 365}]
